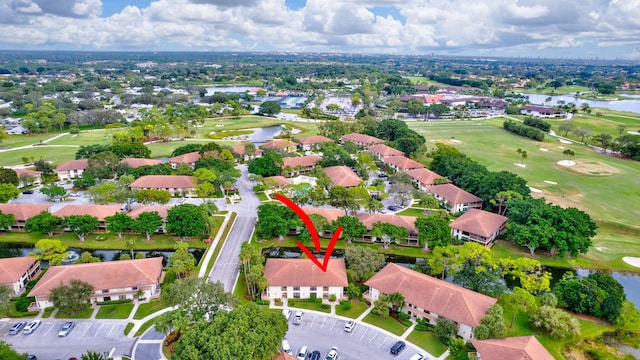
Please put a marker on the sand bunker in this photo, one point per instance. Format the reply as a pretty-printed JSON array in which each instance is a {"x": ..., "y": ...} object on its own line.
[
  {"x": 634, "y": 132},
  {"x": 551, "y": 182},
  {"x": 631, "y": 260},
  {"x": 520, "y": 165},
  {"x": 565, "y": 141},
  {"x": 543, "y": 149},
  {"x": 560, "y": 147},
  {"x": 456, "y": 141},
  {"x": 535, "y": 190},
  {"x": 566, "y": 163}
]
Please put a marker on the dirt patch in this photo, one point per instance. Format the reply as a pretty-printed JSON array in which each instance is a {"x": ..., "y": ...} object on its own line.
[
  {"x": 565, "y": 200},
  {"x": 594, "y": 168},
  {"x": 450, "y": 141}
]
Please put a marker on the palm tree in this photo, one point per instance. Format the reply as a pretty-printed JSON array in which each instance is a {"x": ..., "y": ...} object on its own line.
[
  {"x": 523, "y": 154},
  {"x": 396, "y": 300}
]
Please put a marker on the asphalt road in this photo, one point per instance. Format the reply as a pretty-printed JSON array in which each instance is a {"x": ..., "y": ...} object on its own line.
[
  {"x": 321, "y": 332},
  {"x": 227, "y": 266},
  {"x": 102, "y": 336}
]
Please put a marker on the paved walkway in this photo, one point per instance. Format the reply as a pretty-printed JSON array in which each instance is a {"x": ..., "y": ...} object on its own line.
[{"x": 212, "y": 247}]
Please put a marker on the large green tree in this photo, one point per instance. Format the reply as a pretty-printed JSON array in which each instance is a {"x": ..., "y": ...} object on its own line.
[
  {"x": 267, "y": 165},
  {"x": 351, "y": 226},
  {"x": 8, "y": 192},
  {"x": 119, "y": 223},
  {"x": 72, "y": 299},
  {"x": 8, "y": 176},
  {"x": 50, "y": 250},
  {"x": 433, "y": 230},
  {"x": 555, "y": 322},
  {"x": 152, "y": 196},
  {"x": 186, "y": 220},
  {"x": 6, "y": 351},
  {"x": 269, "y": 108},
  {"x": 53, "y": 191},
  {"x": 362, "y": 262},
  {"x": 182, "y": 261},
  {"x": 45, "y": 223},
  {"x": 147, "y": 223},
  {"x": 274, "y": 220},
  {"x": 7, "y": 221},
  {"x": 81, "y": 225}
]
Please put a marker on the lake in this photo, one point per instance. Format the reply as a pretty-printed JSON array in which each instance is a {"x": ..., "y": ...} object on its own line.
[{"x": 620, "y": 105}]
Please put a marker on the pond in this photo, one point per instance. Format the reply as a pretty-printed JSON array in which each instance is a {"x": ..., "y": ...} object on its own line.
[
  {"x": 17, "y": 249},
  {"x": 259, "y": 136},
  {"x": 620, "y": 105}
]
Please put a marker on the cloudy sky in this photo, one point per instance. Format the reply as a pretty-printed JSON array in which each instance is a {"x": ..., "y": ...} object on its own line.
[{"x": 546, "y": 28}]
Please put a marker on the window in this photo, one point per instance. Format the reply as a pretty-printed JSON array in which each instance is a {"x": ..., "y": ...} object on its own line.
[
  {"x": 325, "y": 289},
  {"x": 105, "y": 291},
  {"x": 106, "y": 298},
  {"x": 313, "y": 288},
  {"x": 296, "y": 288},
  {"x": 296, "y": 295},
  {"x": 122, "y": 297},
  {"x": 283, "y": 289},
  {"x": 134, "y": 288}
]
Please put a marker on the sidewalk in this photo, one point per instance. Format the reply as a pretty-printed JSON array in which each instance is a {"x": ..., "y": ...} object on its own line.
[{"x": 212, "y": 247}]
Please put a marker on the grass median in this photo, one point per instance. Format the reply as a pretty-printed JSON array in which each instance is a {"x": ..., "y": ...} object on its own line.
[{"x": 114, "y": 311}]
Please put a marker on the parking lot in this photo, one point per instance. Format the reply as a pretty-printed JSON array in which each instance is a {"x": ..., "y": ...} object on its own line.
[
  {"x": 102, "y": 336},
  {"x": 321, "y": 332}
]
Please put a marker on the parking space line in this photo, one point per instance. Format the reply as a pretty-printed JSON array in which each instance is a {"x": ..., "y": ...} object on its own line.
[
  {"x": 98, "y": 331},
  {"x": 383, "y": 341},
  {"x": 324, "y": 320},
  {"x": 334, "y": 323},
  {"x": 363, "y": 334},
  {"x": 112, "y": 327},
  {"x": 374, "y": 336},
  {"x": 85, "y": 330},
  {"x": 50, "y": 328}
]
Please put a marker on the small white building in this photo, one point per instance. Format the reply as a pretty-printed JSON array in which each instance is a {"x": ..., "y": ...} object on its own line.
[
  {"x": 72, "y": 169},
  {"x": 302, "y": 279}
]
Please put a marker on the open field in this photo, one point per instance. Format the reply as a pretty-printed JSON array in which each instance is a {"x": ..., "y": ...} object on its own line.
[
  {"x": 83, "y": 138},
  {"x": 607, "y": 189},
  {"x": 57, "y": 154}
]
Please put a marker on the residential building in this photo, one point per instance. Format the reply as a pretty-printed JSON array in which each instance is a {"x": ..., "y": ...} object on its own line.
[
  {"x": 161, "y": 209},
  {"x": 382, "y": 151},
  {"x": 175, "y": 184},
  {"x": 401, "y": 163},
  {"x": 23, "y": 212},
  {"x": 479, "y": 226},
  {"x": 302, "y": 279},
  {"x": 511, "y": 348},
  {"x": 188, "y": 158},
  {"x": 454, "y": 198},
  {"x": 71, "y": 169},
  {"x": 98, "y": 211},
  {"x": 282, "y": 144},
  {"x": 429, "y": 298},
  {"x": 112, "y": 280},
  {"x": 278, "y": 181},
  {"x": 330, "y": 215},
  {"x": 541, "y": 111},
  {"x": 242, "y": 153},
  {"x": 313, "y": 142},
  {"x": 342, "y": 176},
  {"x": 423, "y": 178},
  {"x": 17, "y": 272},
  {"x": 300, "y": 164},
  {"x": 407, "y": 222},
  {"x": 361, "y": 139},
  {"x": 137, "y": 162},
  {"x": 35, "y": 176}
]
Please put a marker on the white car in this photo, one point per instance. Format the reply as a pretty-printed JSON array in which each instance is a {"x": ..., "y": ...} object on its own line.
[
  {"x": 31, "y": 327},
  {"x": 418, "y": 357},
  {"x": 302, "y": 354},
  {"x": 333, "y": 354},
  {"x": 286, "y": 313},
  {"x": 348, "y": 327},
  {"x": 297, "y": 318},
  {"x": 286, "y": 348}
]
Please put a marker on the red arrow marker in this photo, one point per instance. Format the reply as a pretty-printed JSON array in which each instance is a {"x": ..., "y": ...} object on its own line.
[{"x": 314, "y": 234}]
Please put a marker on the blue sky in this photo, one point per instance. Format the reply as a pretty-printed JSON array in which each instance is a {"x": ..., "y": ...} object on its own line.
[{"x": 528, "y": 28}]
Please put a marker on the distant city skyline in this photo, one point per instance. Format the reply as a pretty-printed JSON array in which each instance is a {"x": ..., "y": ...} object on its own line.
[{"x": 492, "y": 28}]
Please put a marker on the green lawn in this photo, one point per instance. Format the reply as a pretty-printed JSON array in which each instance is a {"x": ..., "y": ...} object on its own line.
[
  {"x": 158, "y": 241},
  {"x": 428, "y": 341},
  {"x": 47, "y": 312},
  {"x": 128, "y": 328},
  {"x": 262, "y": 196},
  {"x": 411, "y": 212},
  {"x": 83, "y": 138},
  {"x": 144, "y": 327},
  {"x": 309, "y": 305},
  {"x": 55, "y": 154},
  {"x": 386, "y": 322},
  {"x": 357, "y": 308},
  {"x": 82, "y": 315},
  {"x": 114, "y": 311},
  {"x": 149, "y": 308},
  {"x": 240, "y": 290},
  {"x": 611, "y": 200}
]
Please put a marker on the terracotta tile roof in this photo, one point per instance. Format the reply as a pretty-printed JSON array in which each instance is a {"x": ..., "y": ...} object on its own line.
[
  {"x": 479, "y": 222},
  {"x": 312, "y": 140},
  {"x": 513, "y": 348},
  {"x": 453, "y": 194},
  {"x": 361, "y": 139},
  {"x": 162, "y": 210},
  {"x": 342, "y": 176},
  {"x": 330, "y": 214},
  {"x": 188, "y": 158},
  {"x": 102, "y": 275},
  {"x": 423, "y": 176},
  {"x": 384, "y": 150},
  {"x": 12, "y": 269},
  {"x": 27, "y": 171},
  {"x": 136, "y": 162},
  {"x": 407, "y": 222},
  {"x": 23, "y": 212},
  {"x": 73, "y": 165},
  {"x": 284, "y": 356},
  {"x": 163, "y": 182},
  {"x": 281, "y": 180},
  {"x": 402, "y": 162},
  {"x": 438, "y": 296},
  {"x": 278, "y": 144},
  {"x": 99, "y": 211},
  {"x": 304, "y": 161},
  {"x": 239, "y": 149},
  {"x": 302, "y": 272}
]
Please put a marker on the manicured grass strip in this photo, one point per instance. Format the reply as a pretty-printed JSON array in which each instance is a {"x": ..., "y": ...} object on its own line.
[
  {"x": 114, "y": 311},
  {"x": 357, "y": 308},
  {"x": 149, "y": 308},
  {"x": 223, "y": 238},
  {"x": 47, "y": 312},
  {"x": 309, "y": 305},
  {"x": 144, "y": 327},
  {"x": 240, "y": 290},
  {"x": 262, "y": 196},
  {"x": 411, "y": 212},
  {"x": 128, "y": 328},
  {"x": 386, "y": 322},
  {"x": 428, "y": 341},
  {"x": 82, "y": 315}
]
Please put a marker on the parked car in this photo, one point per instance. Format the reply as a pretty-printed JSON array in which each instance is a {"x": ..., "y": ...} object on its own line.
[
  {"x": 382, "y": 175},
  {"x": 418, "y": 357},
  {"x": 397, "y": 347},
  {"x": 66, "y": 328},
  {"x": 32, "y": 357},
  {"x": 28, "y": 192},
  {"x": 315, "y": 355},
  {"x": 286, "y": 348},
  {"x": 297, "y": 318},
  {"x": 333, "y": 354},
  {"x": 17, "y": 327},
  {"x": 31, "y": 327},
  {"x": 302, "y": 354},
  {"x": 286, "y": 313},
  {"x": 348, "y": 327},
  {"x": 61, "y": 183}
]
